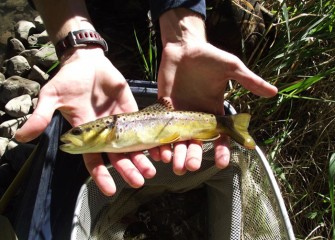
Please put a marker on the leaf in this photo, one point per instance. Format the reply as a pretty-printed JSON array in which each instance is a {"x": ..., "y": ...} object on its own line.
[{"x": 331, "y": 189}]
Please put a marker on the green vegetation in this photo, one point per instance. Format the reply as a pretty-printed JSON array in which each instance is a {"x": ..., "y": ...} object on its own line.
[{"x": 297, "y": 128}]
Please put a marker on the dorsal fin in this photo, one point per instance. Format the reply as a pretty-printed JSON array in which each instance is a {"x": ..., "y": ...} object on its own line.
[{"x": 162, "y": 104}]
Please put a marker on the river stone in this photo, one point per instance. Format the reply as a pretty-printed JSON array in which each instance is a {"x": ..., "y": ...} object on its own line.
[
  {"x": 38, "y": 39},
  {"x": 8, "y": 128},
  {"x": 2, "y": 77},
  {"x": 17, "y": 65},
  {"x": 34, "y": 102},
  {"x": 14, "y": 47},
  {"x": 12, "y": 144},
  {"x": 19, "y": 106},
  {"x": 38, "y": 75},
  {"x": 16, "y": 86},
  {"x": 16, "y": 4},
  {"x": 46, "y": 57},
  {"x": 3, "y": 145},
  {"x": 23, "y": 29},
  {"x": 39, "y": 24},
  {"x": 4, "y": 66},
  {"x": 30, "y": 56}
]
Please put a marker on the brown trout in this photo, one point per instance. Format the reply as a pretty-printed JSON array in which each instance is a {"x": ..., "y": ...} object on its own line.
[{"x": 153, "y": 126}]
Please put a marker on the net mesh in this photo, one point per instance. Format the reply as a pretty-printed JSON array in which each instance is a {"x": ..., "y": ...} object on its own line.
[{"x": 238, "y": 202}]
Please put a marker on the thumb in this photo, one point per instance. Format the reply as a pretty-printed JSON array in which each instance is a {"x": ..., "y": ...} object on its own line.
[{"x": 38, "y": 121}]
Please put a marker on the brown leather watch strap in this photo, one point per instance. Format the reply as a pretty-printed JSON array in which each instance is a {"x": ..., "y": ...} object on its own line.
[{"x": 80, "y": 38}]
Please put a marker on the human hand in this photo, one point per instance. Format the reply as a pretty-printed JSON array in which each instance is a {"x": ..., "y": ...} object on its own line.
[
  {"x": 193, "y": 74},
  {"x": 87, "y": 87}
]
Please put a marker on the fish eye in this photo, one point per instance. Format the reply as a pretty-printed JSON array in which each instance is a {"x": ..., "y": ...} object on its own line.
[{"x": 77, "y": 131}]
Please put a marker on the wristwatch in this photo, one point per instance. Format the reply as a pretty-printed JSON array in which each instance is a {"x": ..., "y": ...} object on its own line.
[{"x": 80, "y": 38}]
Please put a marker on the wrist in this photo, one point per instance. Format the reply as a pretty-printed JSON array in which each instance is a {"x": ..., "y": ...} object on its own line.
[
  {"x": 180, "y": 25},
  {"x": 80, "y": 38},
  {"x": 87, "y": 52}
]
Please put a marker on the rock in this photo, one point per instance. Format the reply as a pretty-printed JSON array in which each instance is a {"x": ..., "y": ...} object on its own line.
[
  {"x": 8, "y": 128},
  {"x": 38, "y": 75},
  {"x": 2, "y": 77},
  {"x": 16, "y": 86},
  {"x": 39, "y": 24},
  {"x": 17, "y": 65},
  {"x": 12, "y": 144},
  {"x": 3, "y": 145},
  {"x": 46, "y": 57},
  {"x": 23, "y": 29},
  {"x": 14, "y": 47},
  {"x": 30, "y": 56},
  {"x": 4, "y": 66},
  {"x": 34, "y": 102},
  {"x": 38, "y": 39},
  {"x": 19, "y": 106},
  {"x": 16, "y": 4}
]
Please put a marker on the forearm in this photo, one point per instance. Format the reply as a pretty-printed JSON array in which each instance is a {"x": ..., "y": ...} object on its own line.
[
  {"x": 63, "y": 16},
  {"x": 180, "y": 25}
]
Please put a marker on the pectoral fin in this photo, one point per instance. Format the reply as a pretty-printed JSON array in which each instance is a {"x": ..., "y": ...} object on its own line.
[{"x": 170, "y": 139}]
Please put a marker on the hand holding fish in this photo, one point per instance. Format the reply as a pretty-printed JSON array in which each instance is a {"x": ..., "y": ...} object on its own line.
[
  {"x": 193, "y": 74},
  {"x": 88, "y": 87}
]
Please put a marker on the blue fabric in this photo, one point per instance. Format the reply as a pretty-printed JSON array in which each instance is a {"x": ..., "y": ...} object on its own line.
[
  {"x": 158, "y": 7},
  {"x": 47, "y": 201}
]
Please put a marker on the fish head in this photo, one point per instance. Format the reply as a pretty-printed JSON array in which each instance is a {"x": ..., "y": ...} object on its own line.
[{"x": 87, "y": 138}]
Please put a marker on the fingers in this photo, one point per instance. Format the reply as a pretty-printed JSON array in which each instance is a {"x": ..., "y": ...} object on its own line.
[
  {"x": 100, "y": 173},
  {"x": 254, "y": 83},
  {"x": 222, "y": 152},
  {"x": 143, "y": 164},
  {"x": 38, "y": 121},
  {"x": 179, "y": 158},
  {"x": 250, "y": 80},
  {"x": 187, "y": 156},
  {"x": 134, "y": 168}
]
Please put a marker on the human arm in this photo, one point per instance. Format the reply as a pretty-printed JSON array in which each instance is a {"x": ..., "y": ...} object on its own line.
[{"x": 86, "y": 87}]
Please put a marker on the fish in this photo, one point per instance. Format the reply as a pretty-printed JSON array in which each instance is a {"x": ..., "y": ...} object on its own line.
[{"x": 153, "y": 126}]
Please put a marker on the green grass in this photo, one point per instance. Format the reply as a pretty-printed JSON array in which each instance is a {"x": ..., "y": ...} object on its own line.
[{"x": 297, "y": 128}]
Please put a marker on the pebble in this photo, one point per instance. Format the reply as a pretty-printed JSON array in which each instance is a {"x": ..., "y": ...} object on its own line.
[
  {"x": 16, "y": 86},
  {"x": 3, "y": 145},
  {"x": 19, "y": 106},
  {"x": 46, "y": 57},
  {"x": 14, "y": 47},
  {"x": 23, "y": 29},
  {"x": 17, "y": 65},
  {"x": 38, "y": 75},
  {"x": 9, "y": 128}
]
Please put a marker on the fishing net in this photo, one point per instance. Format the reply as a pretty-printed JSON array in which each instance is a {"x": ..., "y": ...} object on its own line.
[{"x": 240, "y": 202}]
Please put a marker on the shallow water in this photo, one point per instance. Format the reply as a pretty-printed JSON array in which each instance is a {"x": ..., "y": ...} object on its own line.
[{"x": 12, "y": 11}]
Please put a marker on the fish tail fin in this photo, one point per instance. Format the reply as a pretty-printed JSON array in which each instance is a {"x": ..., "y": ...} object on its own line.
[{"x": 236, "y": 126}]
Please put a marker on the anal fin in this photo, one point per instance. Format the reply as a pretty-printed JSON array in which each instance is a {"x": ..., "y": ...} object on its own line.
[
  {"x": 170, "y": 139},
  {"x": 207, "y": 136}
]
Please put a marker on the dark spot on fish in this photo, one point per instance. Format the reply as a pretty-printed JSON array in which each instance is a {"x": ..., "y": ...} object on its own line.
[
  {"x": 121, "y": 130},
  {"x": 88, "y": 129},
  {"x": 76, "y": 131}
]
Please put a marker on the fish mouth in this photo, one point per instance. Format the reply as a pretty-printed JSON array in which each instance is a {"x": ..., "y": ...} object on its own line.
[{"x": 71, "y": 143}]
